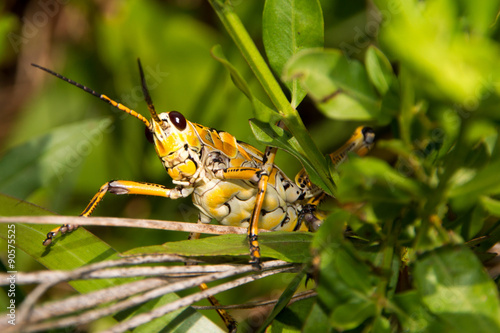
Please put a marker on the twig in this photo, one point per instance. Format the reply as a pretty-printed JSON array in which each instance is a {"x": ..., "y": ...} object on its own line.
[
  {"x": 171, "y": 271},
  {"x": 188, "y": 300},
  {"x": 80, "y": 302},
  {"x": 32, "y": 298},
  {"x": 83, "y": 301},
  {"x": 93, "y": 299},
  {"x": 127, "y": 222},
  {"x": 249, "y": 305}
]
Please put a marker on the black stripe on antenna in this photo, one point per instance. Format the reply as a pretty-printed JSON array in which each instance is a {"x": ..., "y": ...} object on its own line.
[
  {"x": 64, "y": 78},
  {"x": 147, "y": 96}
]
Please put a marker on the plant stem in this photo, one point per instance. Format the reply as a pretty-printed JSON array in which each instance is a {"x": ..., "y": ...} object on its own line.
[{"x": 261, "y": 70}]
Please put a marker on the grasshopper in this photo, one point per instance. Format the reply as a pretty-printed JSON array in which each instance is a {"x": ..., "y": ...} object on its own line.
[
  {"x": 229, "y": 180},
  {"x": 222, "y": 174}
]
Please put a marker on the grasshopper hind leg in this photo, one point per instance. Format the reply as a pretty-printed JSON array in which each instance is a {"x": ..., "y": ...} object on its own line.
[
  {"x": 223, "y": 314},
  {"x": 120, "y": 187}
]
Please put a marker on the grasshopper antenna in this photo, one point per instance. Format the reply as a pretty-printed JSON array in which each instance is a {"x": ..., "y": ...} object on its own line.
[
  {"x": 147, "y": 96},
  {"x": 100, "y": 96}
]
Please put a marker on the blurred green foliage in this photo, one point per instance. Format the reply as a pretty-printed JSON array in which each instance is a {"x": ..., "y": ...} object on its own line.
[{"x": 422, "y": 213}]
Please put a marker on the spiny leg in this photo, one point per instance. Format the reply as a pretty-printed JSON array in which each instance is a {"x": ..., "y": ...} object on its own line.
[
  {"x": 260, "y": 176},
  {"x": 360, "y": 143},
  {"x": 120, "y": 187},
  {"x": 253, "y": 229}
]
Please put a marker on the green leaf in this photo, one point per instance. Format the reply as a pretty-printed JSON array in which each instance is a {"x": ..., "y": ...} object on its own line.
[
  {"x": 479, "y": 19},
  {"x": 179, "y": 321},
  {"x": 454, "y": 287},
  {"x": 262, "y": 111},
  {"x": 288, "y": 246},
  {"x": 486, "y": 181},
  {"x": 413, "y": 316},
  {"x": 277, "y": 137},
  {"x": 284, "y": 299},
  {"x": 372, "y": 179},
  {"x": 381, "y": 325},
  {"x": 352, "y": 314},
  {"x": 316, "y": 320},
  {"x": 491, "y": 205},
  {"x": 238, "y": 80},
  {"x": 339, "y": 87},
  {"x": 68, "y": 252},
  {"x": 379, "y": 69},
  {"x": 434, "y": 41},
  {"x": 48, "y": 158},
  {"x": 288, "y": 27},
  {"x": 346, "y": 284}
]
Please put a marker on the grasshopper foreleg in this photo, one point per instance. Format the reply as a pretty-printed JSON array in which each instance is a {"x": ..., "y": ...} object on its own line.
[{"x": 121, "y": 187}]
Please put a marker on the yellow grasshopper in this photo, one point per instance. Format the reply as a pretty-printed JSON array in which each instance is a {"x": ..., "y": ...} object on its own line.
[
  {"x": 229, "y": 180},
  {"x": 222, "y": 174}
]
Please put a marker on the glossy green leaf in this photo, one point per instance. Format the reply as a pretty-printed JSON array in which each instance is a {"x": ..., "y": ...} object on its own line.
[
  {"x": 486, "y": 181},
  {"x": 179, "y": 321},
  {"x": 338, "y": 86},
  {"x": 453, "y": 286},
  {"x": 434, "y": 41},
  {"x": 68, "y": 252},
  {"x": 381, "y": 325},
  {"x": 293, "y": 317},
  {"x": 288, "y": 246},
  {"x": 414, "y": 316},
  {"x": 277, "y": 137},
  {"x": 350, "y": 315},
  {"x": 288, "y": 27},
  {"x": 373, "y": 179},
  {"x": 284, "y": 299},
  {"x": 316, "y": 320},
  {"x": 491, "y": 205},
  {"x": 262, "y": 111},
  {"x": 474, "y": 222},
  {"x": 479, "y": 18},
  {"x": 379, "y": 69},
  {"x": 48, "y": 158},
  {"x": 345, "y": 284}
]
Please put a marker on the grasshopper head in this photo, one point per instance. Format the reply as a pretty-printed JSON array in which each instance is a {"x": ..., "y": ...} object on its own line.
[
  {"x": 174, "y": 138},
  {"x": 176, "y": 142}
]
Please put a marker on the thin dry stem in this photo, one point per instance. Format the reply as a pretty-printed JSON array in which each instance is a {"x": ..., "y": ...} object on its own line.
[
  {"x": 255, "y": 304},
  {"x": 123, "y": 295},
  {"x": 126, "y": 222},
  {"x": 188, "y": 300}
]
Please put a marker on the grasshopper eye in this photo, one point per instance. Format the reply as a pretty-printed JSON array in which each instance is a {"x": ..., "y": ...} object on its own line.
[
  {"x": 368, "y": 135},
  {"x": 149, "y": 135},
  {"x": 178, "y": 120}
]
